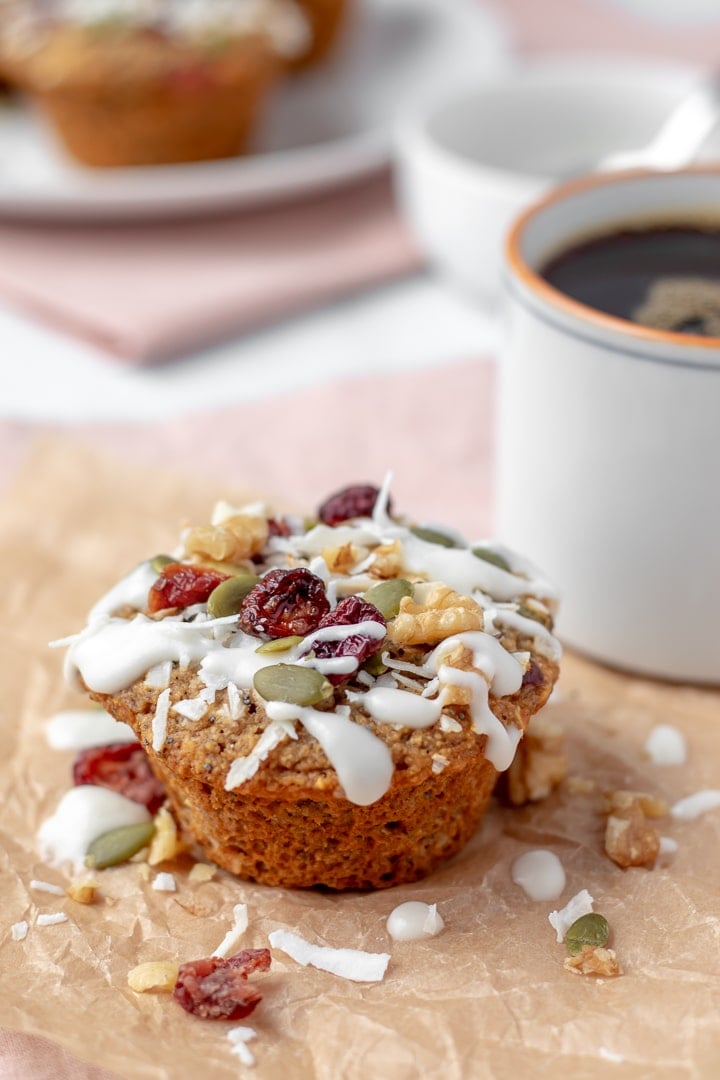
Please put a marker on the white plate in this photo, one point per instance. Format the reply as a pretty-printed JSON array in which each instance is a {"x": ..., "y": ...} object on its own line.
[{"x": 322, "y": 129}]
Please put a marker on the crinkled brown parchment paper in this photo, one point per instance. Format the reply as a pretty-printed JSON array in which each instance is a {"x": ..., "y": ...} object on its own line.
[{"x": 487, "y": 998}]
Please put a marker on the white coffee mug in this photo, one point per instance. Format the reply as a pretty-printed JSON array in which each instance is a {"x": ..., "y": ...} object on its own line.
[{"x": 609, "y": 440}]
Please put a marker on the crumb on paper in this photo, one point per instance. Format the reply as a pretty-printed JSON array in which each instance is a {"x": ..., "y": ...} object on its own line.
[
  {"x": 202, "y": 872},
  {"x": 578, "y": 905},
  {"x": 540, "y": 763},
  {"x": 166, "y": 844},
  {"x": 232, "y": 939},
  {"x": 153, "y": 975},
  {"x": 164, "y": 883},
  {"x": 353, "y": 964},
  {"x": 239, "y": 1037},
  {"x": 580, "y": 785},
  {"x": 52, "y": 920},
  {"x": 19, "y": 930},
  {"x": 83, "y": 891},
  {"x": 629, "y": 839},
  {"x": 594, "y": 960}
]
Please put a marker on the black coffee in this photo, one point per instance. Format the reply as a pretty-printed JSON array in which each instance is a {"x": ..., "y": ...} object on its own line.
[{"x": 667, "y": 277}]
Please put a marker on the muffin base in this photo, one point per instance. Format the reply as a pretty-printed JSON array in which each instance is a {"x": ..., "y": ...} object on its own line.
[{"x": 329, "y": 842}]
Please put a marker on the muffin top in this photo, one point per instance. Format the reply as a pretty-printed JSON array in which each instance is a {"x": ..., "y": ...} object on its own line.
[
  {"x": 357, "y": 642},
  {"x": 57, "y": 35}
]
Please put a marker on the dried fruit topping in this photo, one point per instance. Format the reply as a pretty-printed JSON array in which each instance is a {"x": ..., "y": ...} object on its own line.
[
  {"x": 284, "y": 603},
  {"x": 533, "y": 675},
  {"x": 180, "y": 585},
  {"x": 217, "y": 989},
  {"x": 122, "y": 767},
  {"x": 118, "y": 845},
  {"x": 292, "y": 684},
  {"x": 349, "y": 612},
  {"x": 355, "y": 501},
  {"x": 279, "y": 527}
]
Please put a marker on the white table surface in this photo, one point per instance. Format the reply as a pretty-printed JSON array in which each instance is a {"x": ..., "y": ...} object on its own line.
[{"x": 418, "y": 322}]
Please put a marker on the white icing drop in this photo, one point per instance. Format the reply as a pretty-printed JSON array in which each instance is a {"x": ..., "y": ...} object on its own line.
[
  {"x": 83, "y": 814},
  {"x": 400, "y": 707},
  {"x": 414, "y": 921},
  {"x": 80, "y": 729},
  {"x": 692, "y": 806},
  {"x": 540, "y": 873},
  {"x": 665, "y": 745}
]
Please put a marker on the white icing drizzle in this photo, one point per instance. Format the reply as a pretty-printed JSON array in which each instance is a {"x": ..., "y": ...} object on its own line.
[
  {"x": 540, "y": 874},
  {"x": 131, "y": 591},
  {"x": 363, "y": 762},
  {"x": 400, "y": 708},
  {"x": 243, "y": 768},
  {"x": 545, "y": 642},
  {"x": 414, "y": 921},
  {"x": 80, "y": 729},
  {"x": 83, "y": 814}
]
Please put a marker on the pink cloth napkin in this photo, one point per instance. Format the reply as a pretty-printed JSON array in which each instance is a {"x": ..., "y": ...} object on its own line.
[{"x": 148, "y": 293}]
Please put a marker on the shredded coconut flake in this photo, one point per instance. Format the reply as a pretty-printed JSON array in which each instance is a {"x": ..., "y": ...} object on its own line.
[
  {"x": 19, "y": 930},
  {"x": 234, "y": 701},
  {"x": 191, "y": 708},
  {"x": 665, "y": 745},
  {"x": 52, "y": 920},
  {"x": 164, "y": 883},
  {"x": 562, "y": 920},
  {"x": 353, "y": 964},
  {"x": 159, "y": 723},
  {"x": 692, "y": 806},
  {"x": 230, "y": 942},
  {"x": 448, "y": 724},
  {"x": 46, "y": 886},
  {"x": 239, "y": 1038},
  {"x": 668, "y": 846},
  {"x": 158, "y": 677},
  {"x": 243, "y": 768}
]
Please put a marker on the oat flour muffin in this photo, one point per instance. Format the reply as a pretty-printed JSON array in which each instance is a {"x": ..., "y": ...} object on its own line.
[
  {"x": 327, "y": 703},
  {"x": 143, "y": 82}
]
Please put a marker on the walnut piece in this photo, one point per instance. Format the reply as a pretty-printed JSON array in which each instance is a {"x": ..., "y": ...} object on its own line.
[
  {"x": 165, "y": 844},
  {"x": 83, "y": 892},
  {"x": 594, "y": 960},
  {"x": 540, "y": 763},
  {"x": 629, "y": 840},
  {"x": 442, "y": 614},
  {"x": 341, "y": 560},
  {"x": 651, "y": 806},
  {"x": 237, "y": 538},
  {"x": 387, "y": 561}
]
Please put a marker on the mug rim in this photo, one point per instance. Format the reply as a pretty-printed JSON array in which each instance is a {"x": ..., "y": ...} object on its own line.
[{"x": 555, "y": 298}]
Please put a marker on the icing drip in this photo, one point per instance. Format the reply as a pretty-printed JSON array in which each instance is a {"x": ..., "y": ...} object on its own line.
[
  {"x": 400, "y": 707},
  {"x": 540, "y": 874},
  {"x": 83, "y": 814},
  {"x": 80, "y": 729},
  {"x": 362, "y": 762}
]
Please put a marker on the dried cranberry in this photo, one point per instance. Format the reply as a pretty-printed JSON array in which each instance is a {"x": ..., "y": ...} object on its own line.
[
  {"x": 217, "y": 989},
  {"x": 349, "y": 611},
  {"x": 180, "y": 585},
  {"x": 279, "y": 527},
  {"x": 284, "y": 603},
  {"x": 533, "y": 676},
  {"x": 122, "y": 767},
  {"x": 355, "y": 501}
]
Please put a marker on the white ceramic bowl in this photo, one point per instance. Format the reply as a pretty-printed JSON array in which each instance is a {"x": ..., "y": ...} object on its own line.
[{"x": 469, "y": 165}]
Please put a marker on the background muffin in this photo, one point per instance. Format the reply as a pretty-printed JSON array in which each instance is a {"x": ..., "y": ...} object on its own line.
[
  {"x": 126, "y": 83},
  {"x": 327, "y": 20}
]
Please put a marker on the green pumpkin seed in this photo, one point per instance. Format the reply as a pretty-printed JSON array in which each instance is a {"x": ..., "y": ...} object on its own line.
[
  {"x": 118, "y": 845},
  {"x": 592, "y": 929},
  {"x": 487, "y": 555},
  {"x": 433, "y": 536},
  {"x": 159, "y": 561},
  {"x": 386, "y": 596},
  {"x": 543, "y": 617},
  {"x": 279, "y": 644},
  {"x": 292, "y": 684},
  {"x": 375, "y": 666},
  {"x": 227, "y": 598}
]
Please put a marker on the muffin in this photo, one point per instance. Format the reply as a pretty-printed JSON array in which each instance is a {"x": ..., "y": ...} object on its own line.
[
  {"x": 328, "y": 703},
  {"x": 126, "y": 82},
  {"x": 326, "y": 20}
]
